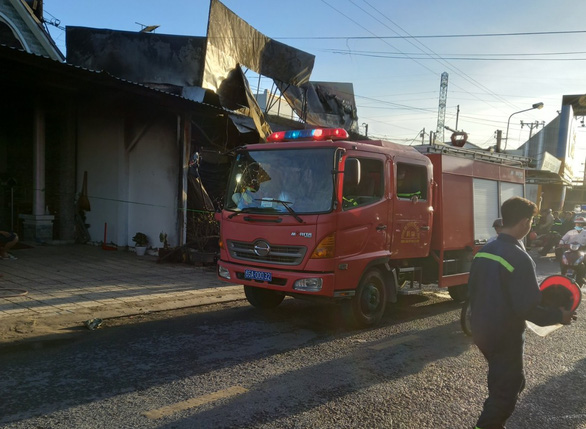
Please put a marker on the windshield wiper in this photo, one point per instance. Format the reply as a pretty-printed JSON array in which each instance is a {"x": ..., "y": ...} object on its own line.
[
  {"x": 285, "y": 204},
  {"x": 244, "y": 210}
]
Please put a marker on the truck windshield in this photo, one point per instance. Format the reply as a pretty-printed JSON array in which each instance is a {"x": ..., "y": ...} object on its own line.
[{"x": 272, "y": 180}]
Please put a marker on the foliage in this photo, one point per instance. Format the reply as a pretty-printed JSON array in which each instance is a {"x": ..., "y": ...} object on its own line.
[
  {"x": 140, "y": 239},
  {"x": 204, "y": 230}
]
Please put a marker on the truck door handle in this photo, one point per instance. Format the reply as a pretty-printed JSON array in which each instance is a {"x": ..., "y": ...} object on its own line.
[
  {"x": 381, "y": 227},
  {"x": 425, "y": 227}
]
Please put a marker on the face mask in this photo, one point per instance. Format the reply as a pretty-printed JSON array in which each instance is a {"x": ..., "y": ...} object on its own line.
[{"x": 578, "y": 228}]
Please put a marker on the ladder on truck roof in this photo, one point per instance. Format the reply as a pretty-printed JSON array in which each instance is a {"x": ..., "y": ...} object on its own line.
[{"x": 481, "y": 155}]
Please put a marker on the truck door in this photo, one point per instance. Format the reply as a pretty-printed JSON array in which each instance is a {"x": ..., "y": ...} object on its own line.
[
  {"x": 363, "y": 232},
  {"x": 412, "y": 210}
]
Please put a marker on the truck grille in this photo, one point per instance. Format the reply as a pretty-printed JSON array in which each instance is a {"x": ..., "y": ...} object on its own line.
[{"x": 282, "y": 255}]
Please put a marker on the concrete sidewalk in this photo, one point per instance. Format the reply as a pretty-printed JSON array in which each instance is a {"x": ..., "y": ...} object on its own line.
[{"x": 55, "y": 289}]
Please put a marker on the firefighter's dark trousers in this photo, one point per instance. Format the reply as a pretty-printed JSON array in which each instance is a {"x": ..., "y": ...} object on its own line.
[{"x": 506, "y": 380}]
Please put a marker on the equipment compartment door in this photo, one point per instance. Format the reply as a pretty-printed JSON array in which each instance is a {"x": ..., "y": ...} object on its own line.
[
  {"x": 486, "y": 208},
  {"x": 413, "y": 212}
]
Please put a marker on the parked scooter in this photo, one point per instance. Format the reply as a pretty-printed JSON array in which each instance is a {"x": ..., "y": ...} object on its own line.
[
  {"x": 546, "y": 242},
  {"x": 572, "y": 263}
]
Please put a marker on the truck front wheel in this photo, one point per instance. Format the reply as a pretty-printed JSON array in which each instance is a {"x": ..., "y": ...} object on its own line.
[
  {"x": 368, "y": 305},
  {"x": 263, "y": 298}
]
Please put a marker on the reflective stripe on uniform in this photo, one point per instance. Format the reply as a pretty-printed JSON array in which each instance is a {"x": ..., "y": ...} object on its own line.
[{"x": 496, "y": 258}]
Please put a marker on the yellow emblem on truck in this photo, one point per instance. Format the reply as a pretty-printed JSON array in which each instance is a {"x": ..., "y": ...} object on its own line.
[{"x": 410, "y": 233}]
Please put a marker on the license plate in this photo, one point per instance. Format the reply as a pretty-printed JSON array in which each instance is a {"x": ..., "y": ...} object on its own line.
[{"x": 258, "y": 275}]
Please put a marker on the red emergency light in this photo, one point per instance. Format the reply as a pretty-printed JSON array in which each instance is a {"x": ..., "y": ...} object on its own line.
[{"x": 313, "y": 134}]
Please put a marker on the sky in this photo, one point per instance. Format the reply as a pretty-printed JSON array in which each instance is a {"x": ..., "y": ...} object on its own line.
[{"x": 501, "y": 56}]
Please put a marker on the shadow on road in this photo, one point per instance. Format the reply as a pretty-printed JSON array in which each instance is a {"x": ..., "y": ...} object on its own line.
[
  {"x": 162, "y": 348},
  {"x": 559, "y": 403}
]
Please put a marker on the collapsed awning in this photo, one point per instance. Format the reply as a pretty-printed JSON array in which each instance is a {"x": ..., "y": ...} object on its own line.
[
  {"x": 544, "y": 177},
  {"x": 324, "y": 104},
  {"x": 244, "y": 124},
  {"x": 232, "y": 41}
]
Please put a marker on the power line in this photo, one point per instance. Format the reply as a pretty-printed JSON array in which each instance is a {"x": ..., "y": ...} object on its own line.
[
  {"x": 520, "y": 54},
  {"x": 434, "y": 54},
  {"x": 405, "y": 56},
  {"x": 408, "y": 109},
  {"x": 384, "y": 41},
  {"x": 450, "y": 66},
  {"x": 433, "y": 36},
  {"x": 455, "y": 69}
]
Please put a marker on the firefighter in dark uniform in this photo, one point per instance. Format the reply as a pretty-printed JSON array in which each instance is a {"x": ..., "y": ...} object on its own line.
[{"x": 504, "y": 293}]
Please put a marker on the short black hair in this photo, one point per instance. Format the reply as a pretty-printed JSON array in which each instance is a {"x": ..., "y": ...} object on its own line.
[{"x": 515, "y": 209}]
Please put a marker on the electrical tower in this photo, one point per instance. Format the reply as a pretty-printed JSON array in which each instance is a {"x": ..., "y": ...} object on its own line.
[{"x": 441, "y": 112}]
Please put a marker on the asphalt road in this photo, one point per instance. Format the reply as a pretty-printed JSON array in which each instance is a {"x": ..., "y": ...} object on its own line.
[{"x": 231, "y": 366}]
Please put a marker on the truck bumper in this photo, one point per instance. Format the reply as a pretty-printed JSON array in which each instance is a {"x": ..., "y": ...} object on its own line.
[{"x": 289, "y": 282}]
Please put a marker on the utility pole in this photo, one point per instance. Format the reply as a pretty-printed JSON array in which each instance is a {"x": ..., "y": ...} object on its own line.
[
  {"x": 422, "y": 135},
  {"x": 532, "y": 125},
  {"x": 365, "y": 129},
  {"x": 457, "y": 115},
  {"x": 499, "y": 136}
]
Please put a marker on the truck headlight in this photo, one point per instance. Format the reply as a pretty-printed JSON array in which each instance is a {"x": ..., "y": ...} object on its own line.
[
  {"x": 223, "y": 272},
  {"x": 308, "y": 285}
]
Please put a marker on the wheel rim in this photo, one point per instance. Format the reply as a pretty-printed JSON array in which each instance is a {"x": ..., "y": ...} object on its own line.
[{"x": 370, "y": 299}]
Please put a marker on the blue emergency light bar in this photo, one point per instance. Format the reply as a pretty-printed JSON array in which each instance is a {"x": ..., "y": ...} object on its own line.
[{"x": 313, "y": 134}]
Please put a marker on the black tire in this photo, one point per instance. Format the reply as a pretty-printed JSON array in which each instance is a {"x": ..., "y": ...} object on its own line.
[
  {"x": 465, "y": 318},
  {"x": 459, "y": 293},
  {"x": 263, "y": 298},
  {"x": 368, "y": 305}
]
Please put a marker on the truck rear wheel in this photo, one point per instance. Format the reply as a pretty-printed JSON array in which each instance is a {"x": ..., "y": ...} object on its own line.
[
  {"x": 458, "y": 293},
  {"x": 368, "y": 305},
  {"x": 263, "y": 298},
  {"x": 465, "y": 318}
]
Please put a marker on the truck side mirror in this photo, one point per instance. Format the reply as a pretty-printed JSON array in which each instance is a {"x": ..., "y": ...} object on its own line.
[{"x": 352, "y": 172}]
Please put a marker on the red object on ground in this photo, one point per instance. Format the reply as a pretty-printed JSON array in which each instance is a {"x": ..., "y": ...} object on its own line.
[{"x": 104, "y": 245}]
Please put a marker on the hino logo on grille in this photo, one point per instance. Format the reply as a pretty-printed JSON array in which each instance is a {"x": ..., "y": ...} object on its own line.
[{"x": 262, "y": 248}]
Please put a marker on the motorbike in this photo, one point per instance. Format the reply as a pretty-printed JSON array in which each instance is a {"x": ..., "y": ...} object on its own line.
[
  {"x": 545, "y": 241},
  {"x": 572, "y": 263}
]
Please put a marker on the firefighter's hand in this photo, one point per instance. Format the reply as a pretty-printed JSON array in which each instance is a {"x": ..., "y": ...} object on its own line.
[{"x": 568, "y": 316}]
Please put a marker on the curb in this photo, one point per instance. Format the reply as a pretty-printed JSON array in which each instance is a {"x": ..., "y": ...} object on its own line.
[{"x": 19, "y": 330}]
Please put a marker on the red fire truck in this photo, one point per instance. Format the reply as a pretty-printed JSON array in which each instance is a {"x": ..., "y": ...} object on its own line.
[{"x": 313, "y": 215}]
